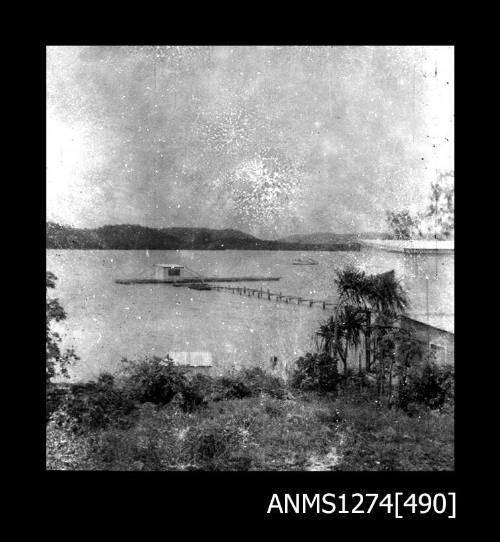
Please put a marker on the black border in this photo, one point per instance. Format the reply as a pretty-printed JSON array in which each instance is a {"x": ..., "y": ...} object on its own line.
[{"x": 217, "y": 495}]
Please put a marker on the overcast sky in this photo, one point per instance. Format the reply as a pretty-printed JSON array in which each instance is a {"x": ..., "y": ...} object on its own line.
[{"x": 269, "y": 140}]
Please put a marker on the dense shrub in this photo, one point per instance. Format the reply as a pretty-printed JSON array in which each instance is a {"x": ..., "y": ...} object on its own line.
[
  {"x": 260, "y": 382},
  {"x": 54, "y": 397},
  {"x": 238, "y": 385},
  {"x": 205, "y": 386},
  {"x": 57, "y": 361},
  {"x": 94, "y": 405},
  {"x": 234, "y": 387},
  {"x": 219, "y": 388},
  {"x": 250, "y": 383},
  {"x": 216, "y": 444},
  {"x": 433, "y": 386},
  {"x": 263, "y": 433},
  {"x": 140, "y": 447},
  {"x": 382, "y": 439},
  {"x": 316, "y": 372},
  {"x": 67, "y": 450},
  {"x": 157, "y": 381}
]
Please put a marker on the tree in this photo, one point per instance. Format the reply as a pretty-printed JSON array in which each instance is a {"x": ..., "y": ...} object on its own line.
[
  {"x": 360, "y": 295},
  {"x": 437, "y": 222},
  {"x": 439, "y": 219},
  {"x": 402, "y": 224},
  {"x": 349, "y": 324},
  {"x": 56, "y": 361},
  {"x": 396, "y": 350}
]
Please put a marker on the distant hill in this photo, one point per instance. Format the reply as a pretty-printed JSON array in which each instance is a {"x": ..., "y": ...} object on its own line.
[{"x": 134, "y": 237}]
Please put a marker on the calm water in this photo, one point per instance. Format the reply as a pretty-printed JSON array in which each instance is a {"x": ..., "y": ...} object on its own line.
[{"x": 107, "y": 321}]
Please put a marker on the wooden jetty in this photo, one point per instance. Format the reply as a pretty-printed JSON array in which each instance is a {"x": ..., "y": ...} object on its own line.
[{"x": 260, "y": 293}]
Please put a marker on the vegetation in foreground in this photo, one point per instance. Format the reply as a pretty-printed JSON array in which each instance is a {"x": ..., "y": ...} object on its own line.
[
  {"x": 155, "y": 417},
  {"x": 396, "y": 413}
]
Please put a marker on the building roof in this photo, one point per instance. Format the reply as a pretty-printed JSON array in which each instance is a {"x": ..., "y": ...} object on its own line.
[
  {"x": 193, "y": 359},
  {"x": 169, "y": 265},
  {"x": 434, "y": 324}
]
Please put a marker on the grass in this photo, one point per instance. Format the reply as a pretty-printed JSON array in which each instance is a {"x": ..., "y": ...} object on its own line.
[
  {"x": 301, "y": 432},
  {"x": 379, "y": 439}
]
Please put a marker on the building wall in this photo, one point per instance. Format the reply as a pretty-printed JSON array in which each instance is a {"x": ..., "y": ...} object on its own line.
[
  {"x": 442, "y": 343},
  {"x": 159, "y": 273}
]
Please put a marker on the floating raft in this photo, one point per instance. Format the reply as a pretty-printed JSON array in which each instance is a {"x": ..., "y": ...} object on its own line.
[{"x": 190, "y": 280}]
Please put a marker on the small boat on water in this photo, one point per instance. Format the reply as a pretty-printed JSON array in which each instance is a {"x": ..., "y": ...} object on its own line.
[
  {"x": 305, "y": 261},
  {"x": 199, "y": 286}
]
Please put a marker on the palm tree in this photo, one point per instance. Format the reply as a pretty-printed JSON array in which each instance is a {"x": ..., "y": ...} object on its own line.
[
  {"x": 341, "y": 332},
  {"x": 360, "y": 296},
  {"x": 381, "y": 294},
  {"x": 385, "y": 295}
]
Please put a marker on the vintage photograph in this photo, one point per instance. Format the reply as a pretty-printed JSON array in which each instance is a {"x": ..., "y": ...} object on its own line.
[{"x": 250, "y": 258}]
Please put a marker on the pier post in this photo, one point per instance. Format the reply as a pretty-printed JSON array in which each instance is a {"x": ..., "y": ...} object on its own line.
[{"x": 268, "y": 295}]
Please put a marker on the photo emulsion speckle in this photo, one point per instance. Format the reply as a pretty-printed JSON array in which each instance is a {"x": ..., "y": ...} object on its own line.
[{"x": 250, "y": 258}]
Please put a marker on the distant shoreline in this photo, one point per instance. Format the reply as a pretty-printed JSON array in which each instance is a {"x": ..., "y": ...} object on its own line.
[{"x": 134, "y": 237}]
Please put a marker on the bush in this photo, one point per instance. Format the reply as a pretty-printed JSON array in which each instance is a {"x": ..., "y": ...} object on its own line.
[
  {"x": 433, "y": 386},
  {"x": 316, "y": 372},
  {"x": 244, "y": 383},
  {"x": 140, "y": 447},
  {"x": 205, "y": 386},
  {"x": 54, "y": 397},
  {"x": 94, "y": 405},
  {"x": 159, "y": 382},
  {"x": 381, "y": 439},
  {"x": 217, "y": 445},
  {"x": 260, "y": 382},
  {"x": 234, "y": 387},
  {"x": 66, "y": 450}
]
